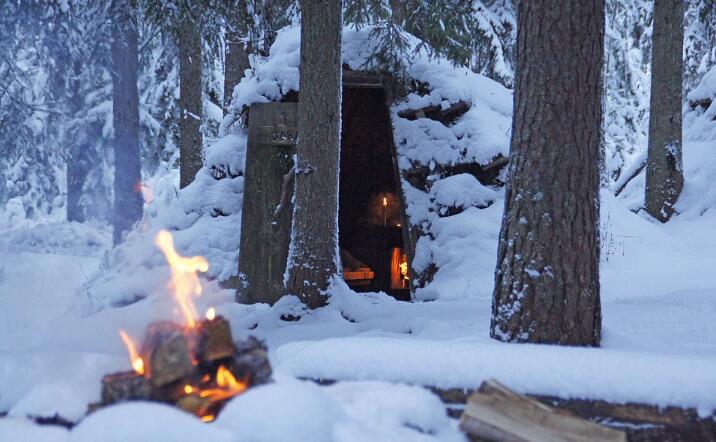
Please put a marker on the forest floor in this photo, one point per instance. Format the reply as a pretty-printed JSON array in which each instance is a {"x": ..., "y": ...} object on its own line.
[{"x": 659, "y": 345}]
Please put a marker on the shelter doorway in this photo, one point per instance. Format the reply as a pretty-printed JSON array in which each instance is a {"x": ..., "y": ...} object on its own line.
[{"x": 372, "y": 227}]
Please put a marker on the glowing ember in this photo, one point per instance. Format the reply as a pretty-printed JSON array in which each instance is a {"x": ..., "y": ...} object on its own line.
[
  {"x": 188, "y": 389},
  {"x": 211, "y": 314},
  {"x": 185, "y": 281},
  {"x": 208, "y": 418},
  {"x": 137, "y": 362}
]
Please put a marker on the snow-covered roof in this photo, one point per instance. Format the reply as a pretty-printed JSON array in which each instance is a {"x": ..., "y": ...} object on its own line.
[{"x": 478, "y": 136}]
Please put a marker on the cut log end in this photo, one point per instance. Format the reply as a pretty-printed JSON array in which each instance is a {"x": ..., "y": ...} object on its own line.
[{"x": 125, "y": 386}]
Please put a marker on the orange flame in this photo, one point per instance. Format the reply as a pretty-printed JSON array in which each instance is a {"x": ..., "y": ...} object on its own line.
[
  {"x": 185, "y": 282},
  {"x": 228, "y": 386},
  {"x": 137, "y": 361}
]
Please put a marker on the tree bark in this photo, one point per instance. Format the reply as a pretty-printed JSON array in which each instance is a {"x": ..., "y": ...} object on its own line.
[
  {"x": 125, "y": 108},
  {"x": 78, "y": 155},
  {"x": 398, "y": 12},
  {"x": 547, "y": 276},
  {"x": 664, "y": 172},
  {"x": 313, "y": 256},
  {"x": 190, "y": 103},
  {"x": 236, "y": 61}
]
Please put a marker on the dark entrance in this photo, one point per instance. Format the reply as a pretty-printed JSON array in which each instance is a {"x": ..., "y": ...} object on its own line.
[{"x": 371, "y": 217}]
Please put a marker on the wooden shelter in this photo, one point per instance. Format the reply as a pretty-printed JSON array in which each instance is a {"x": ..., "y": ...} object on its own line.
[{"x": 375, "y": 243}]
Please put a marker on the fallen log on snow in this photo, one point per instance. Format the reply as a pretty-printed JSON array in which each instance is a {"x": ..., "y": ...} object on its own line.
[{"x": 642, "y": 422}]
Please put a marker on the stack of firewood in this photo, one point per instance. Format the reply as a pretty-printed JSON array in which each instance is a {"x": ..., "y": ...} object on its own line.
[{"x": 197, "y": 369}]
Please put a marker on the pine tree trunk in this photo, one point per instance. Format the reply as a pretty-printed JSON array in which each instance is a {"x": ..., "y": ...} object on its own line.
[
  {"x": 664, "y": 174},
  {"x": 125, "y": 108},
  {"x": 190, "y": 104},
  {"x": 398, "y": 12},
  {"x": 78, "y": 155},
  {"x": 236, "y": 61},
  {"x": 313, "y": 257},
  {"x": 547, "y": 276}
]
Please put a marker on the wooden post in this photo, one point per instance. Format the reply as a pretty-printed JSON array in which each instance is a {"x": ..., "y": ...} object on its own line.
[{"x": 266, "y": 215}]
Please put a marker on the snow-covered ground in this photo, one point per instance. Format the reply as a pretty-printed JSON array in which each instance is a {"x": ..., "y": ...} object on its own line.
[{"x": 659, "y": 345}]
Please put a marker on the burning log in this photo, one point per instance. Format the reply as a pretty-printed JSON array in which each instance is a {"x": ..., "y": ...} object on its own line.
[
  {"x": 215, "y": 341},
  {"x": 194, "y": 404},
  {"x": 125, "y": 386},
  {"x": 166, "y": 348},
  {"x": 251, "y": 362}
]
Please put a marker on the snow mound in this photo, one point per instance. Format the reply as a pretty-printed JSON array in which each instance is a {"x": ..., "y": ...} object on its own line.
[
  {"x": 345, "y": 412},
  {"x": 50, "y": 400},
  {"x": 298, "y": 411},
  {"x": 461, "y": 191},
  {"x": 145, "y": 421},
  {"x": 61, "y": 237},
  {"x": 27, "y": 430}
]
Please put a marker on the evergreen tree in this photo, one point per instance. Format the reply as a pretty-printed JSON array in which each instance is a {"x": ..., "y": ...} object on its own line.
[{"x": 547, "y": 276}]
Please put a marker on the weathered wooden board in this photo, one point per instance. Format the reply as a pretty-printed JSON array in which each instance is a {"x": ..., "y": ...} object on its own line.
[{"x": 265, "y": 233}]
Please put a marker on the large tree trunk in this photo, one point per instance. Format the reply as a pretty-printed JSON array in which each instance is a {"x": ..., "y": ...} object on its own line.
[
  {"x": 125, "y": 108},
  {"x": 664, "y": 174},
  {"x": 547, "y": 276},
  {"x": 236, "y": 61},
  {"x": 190, "y": 104},
  {"x": 78, "y": 153},
  {"x": 313, "y": 257}
]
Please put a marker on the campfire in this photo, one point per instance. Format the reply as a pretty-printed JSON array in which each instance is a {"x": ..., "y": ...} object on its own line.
[{"x": 194, "y": 365}]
